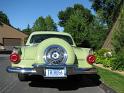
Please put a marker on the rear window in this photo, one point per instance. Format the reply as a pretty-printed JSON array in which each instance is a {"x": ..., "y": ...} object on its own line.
[{"x": 40, "y": 37}]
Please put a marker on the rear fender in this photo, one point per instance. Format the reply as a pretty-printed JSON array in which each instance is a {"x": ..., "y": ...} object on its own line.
[
  {"x": 81, "y": 55},
  {"x": 28, "y": 56}
]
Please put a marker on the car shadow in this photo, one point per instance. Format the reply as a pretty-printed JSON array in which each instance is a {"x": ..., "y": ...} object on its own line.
[{"x": 72, "y": 83}]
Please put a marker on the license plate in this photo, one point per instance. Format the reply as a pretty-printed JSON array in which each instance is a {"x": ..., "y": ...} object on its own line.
[{"x": 55, "y": 73}]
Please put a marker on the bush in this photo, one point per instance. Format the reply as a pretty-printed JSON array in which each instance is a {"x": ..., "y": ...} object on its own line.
[
  {"x": 108, "y": 62},
  {"x": 101, "y": 52},
  {"x": 114, "y": 61},
  {"x": 104, "y": 57},
  {"x": 100, "y": 55},
  {"x": 118, "y": 62}
]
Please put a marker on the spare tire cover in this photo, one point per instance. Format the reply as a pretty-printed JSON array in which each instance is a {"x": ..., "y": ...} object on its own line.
[{"x": 55, "y": 51}]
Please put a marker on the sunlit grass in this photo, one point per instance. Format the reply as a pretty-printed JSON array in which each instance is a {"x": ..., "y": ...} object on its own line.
[{"x": 111, "y": 79}]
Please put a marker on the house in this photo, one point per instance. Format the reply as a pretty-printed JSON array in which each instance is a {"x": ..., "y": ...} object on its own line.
[{"x": 10, "y": 37}]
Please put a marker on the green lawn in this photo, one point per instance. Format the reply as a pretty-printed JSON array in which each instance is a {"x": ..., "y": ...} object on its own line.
[{"x": 111, "y": 79}]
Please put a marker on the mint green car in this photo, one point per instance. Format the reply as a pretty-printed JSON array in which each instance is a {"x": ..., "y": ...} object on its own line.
[{"x": 52, "y": 55}]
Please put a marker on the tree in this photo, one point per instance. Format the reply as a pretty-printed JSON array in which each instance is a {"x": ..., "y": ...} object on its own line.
[
  {"x": 77, "y": 27},
  {"x": 4, "y": 18},
  {"x": 118, "y": 36},
  {"x": 75, "y": 21},
  {"x": 40, "y": 24},
  {"x": 51, "y": 26},
  {"x": 97, "y": 34},
  {"x": 28, "y": 30},
  {"x": 18, "y": 29},
  {"x": 85, "y": 28},
  {"x": 44, "y": 24},
  {"x": 107, "y": 10},
  {"x": 65, "y": 15}
]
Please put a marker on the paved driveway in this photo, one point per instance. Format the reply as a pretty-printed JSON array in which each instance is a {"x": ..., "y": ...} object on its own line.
[{"x": 9, "y": 83}]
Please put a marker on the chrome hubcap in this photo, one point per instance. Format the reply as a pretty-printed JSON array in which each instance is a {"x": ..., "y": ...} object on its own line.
[{"x": 55, "y": 54}]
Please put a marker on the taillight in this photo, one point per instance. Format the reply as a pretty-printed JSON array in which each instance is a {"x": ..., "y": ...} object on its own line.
[
  {"x": 15, "y": 58},
  {"x": 91, "y": 59}
]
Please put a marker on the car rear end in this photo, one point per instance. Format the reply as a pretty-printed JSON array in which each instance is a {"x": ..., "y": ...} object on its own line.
[{"x": 53, "y": 58}]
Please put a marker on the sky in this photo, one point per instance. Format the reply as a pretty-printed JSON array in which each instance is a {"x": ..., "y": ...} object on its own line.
[{"x": 24, "y": 12}]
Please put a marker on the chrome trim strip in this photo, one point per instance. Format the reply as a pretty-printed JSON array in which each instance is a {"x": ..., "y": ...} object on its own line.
[{"x": 53, "y": 66}]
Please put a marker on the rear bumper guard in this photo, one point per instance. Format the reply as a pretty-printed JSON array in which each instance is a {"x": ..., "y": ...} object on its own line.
[{"x": 21, "y": 70}]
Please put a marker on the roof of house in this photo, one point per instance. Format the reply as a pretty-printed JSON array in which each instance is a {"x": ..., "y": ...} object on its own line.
[{"x": 10, "y": 32}]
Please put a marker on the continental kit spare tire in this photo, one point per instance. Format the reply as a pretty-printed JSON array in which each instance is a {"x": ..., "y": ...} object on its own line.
[{"x": 55, "y": 51}]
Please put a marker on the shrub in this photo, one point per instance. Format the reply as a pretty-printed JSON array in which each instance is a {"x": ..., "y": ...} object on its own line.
[
  {"x": 108, "y": 62},
  {"x": 114, "y": 61},
  {"x": 100, "y": 55},
  {"x": 104, "y": 57},
  {"x": 118, "y": 62},
  {"x": 101, "y": 52}
]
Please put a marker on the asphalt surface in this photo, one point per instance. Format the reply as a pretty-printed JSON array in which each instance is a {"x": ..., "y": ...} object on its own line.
[{"x": 9, "y": 83}]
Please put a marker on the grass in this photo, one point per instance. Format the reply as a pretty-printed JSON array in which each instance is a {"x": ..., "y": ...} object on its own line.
[{"x": 111, "y": 79}]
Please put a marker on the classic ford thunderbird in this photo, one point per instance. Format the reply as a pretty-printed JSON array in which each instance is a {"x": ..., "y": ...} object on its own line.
[{"x": 52, "y": 55}]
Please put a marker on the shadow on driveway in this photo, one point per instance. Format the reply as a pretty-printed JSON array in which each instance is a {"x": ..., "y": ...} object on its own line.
[{"x": 72, "y": 83}]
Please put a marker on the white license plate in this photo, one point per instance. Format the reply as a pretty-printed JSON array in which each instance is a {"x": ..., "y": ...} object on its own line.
[{"x": 55, "y": 73}]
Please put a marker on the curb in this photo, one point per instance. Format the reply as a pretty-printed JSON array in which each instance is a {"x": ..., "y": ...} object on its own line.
[{"x": 107, "y": 89}]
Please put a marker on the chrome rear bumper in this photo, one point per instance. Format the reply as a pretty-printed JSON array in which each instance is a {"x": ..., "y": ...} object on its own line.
[{"x": 39, "y": 70}]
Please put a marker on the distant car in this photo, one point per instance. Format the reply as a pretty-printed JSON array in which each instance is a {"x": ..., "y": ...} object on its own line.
[{"x": 52, "y": 55}]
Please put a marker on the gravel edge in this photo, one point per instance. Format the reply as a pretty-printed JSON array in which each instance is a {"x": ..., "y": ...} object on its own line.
[{"x": 106, "y": 88}]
